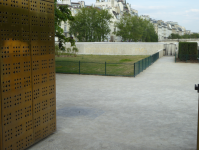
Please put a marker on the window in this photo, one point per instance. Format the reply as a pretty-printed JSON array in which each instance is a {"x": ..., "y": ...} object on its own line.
[{"x": 65, "y": 28}]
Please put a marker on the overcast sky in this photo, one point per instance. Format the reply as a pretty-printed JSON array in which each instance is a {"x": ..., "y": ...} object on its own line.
[{"x": 185, "y": 12}]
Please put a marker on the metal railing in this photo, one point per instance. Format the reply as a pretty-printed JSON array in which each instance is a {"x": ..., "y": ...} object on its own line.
[
  {"x": 95, "y": 68},
  {"x": 107, "y": 69},
  {"x": 145, "y": 63}
]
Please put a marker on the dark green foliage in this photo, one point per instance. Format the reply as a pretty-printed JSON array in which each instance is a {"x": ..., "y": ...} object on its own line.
[
  {"x": 174, "y": 36},
  {"x": 185, "y": 36},
  {"x": 91, "y": 24},
  {"x": 134, "y": 28},
  {"x": 188, "y": 50},
  {"x": 62, "y": 13}
]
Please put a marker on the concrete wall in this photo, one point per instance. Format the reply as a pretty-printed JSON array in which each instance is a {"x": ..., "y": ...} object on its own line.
[
  {"x": 118, "y": 48},
  {"x": 161, "y": 53}
]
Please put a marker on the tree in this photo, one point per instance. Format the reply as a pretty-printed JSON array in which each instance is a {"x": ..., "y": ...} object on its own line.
[
  {"x": 91, "y": 24},
  {"x": 62, "y": 13},
  {"x": 129, "y": 28},
  {"x": 133, "y": 28},
  {"x": 174, "y": 36},
  {"x": 148, "y": 31},
  {"x": 185, "y": 36}
]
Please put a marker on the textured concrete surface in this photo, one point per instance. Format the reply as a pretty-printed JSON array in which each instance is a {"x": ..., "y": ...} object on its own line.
[
  {"x": 157, "y": 110},
  {"x": 118, "y": 48}
]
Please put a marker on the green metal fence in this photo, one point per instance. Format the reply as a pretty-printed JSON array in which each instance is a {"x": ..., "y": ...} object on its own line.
[
  {"x": 186, "y": 58},
  {"x": 94, "y": 68},
  {"x": 145, "y": 63},
  {"x": 107, "y": 69}
]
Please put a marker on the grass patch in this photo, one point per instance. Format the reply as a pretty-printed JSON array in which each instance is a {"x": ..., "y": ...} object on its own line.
[
  {"x": 125, "y": 60},
  {"x": 121, "y": 65}
]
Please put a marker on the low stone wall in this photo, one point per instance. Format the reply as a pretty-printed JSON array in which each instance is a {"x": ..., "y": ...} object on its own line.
[
  {"x": 118, "y": 48},
  {"x": 161, "y": 53}
]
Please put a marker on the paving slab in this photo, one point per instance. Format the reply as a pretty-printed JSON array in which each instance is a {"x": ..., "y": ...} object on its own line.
[{"x": 157, "y": 110}]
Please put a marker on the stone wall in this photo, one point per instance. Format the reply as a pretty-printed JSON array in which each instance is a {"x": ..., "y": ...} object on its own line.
[
  {"x": 118, "y": 48},
  {"x": 161, "y": 53}
]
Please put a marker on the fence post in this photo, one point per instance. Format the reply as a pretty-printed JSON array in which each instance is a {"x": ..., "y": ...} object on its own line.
[
  {"x": 134, "y": 70},
  {"x": 79, "y": 67},
  {"x": 139, "y": 67},
  {"x": 150, "y": 60},
  {"x": 105, "y": 68},
  {"x": 145, "y": 63},
  {"x": 142, "y": 64},
  {"x": 175, "y": 57}
]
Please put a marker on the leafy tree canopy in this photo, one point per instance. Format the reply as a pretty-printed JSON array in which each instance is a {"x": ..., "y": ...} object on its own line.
[
  {"x": 62, "y": 13},
  {"x": 134, "y": 28},
  {"x": 185, "y": 36},
  {"x": 91, "y": 24}
]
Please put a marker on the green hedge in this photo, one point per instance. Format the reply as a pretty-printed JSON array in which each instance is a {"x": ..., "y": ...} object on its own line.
[{"x": 188, "y": 50}]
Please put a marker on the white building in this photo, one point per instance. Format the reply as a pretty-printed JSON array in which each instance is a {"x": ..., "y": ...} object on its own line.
[
  {"x": 146, "y": 17},
  {"x": 165, "y": 29},
  {"x": 115, "y": 7}
]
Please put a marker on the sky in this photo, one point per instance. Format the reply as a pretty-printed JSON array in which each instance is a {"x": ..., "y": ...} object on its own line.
[{"x": 185, "y": 12}]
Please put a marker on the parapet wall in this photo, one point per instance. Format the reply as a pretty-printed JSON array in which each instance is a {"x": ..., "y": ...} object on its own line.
[{"x": 118, "y": 48}]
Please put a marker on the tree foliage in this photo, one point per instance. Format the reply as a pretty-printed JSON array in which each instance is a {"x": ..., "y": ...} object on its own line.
[
  {"x": 134, "y": 28},
  {"x": 62, "y": 13},
  {"x": 149, "y": 34},
  {"x": 91, "y": 24},
  {"x": 185, "y": 36}
]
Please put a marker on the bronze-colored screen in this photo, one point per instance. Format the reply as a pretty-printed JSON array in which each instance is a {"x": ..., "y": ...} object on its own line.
[{"x": 27, "y": 69}]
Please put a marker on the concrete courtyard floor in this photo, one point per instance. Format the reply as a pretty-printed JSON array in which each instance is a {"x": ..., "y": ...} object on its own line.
[{"x": 157, "y": 110}]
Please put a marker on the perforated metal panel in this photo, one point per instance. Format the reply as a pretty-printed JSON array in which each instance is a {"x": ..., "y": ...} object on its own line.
[{"x": 27, "y": 87}]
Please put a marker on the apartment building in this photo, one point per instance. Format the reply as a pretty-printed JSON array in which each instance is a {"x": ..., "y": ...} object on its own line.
[
  {"x": 117, "y": 8},
  {"x": 165, "y": 29}
]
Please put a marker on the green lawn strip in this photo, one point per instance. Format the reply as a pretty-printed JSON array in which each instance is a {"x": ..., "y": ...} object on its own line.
[{"x": 121, "y": 65}]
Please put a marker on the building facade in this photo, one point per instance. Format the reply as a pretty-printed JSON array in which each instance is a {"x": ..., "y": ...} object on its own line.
[{"x": 117, "y": 8}]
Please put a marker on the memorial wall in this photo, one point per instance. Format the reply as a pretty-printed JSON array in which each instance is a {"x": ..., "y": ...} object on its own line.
[
  {"x": 118, "y": 48},
  {"x": 27, "y": 70}
]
